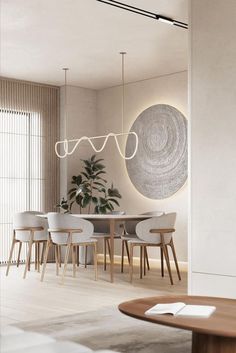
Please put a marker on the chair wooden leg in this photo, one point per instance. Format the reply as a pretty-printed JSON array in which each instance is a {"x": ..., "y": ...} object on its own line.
[
  {"x": 77, "y": 255},
  {"x": 165, "y": 252},
  {"x": 122, "y": 255},
  {"x": 127, "y": 250},
  {"x": 95, "y": 260},
  {"x": 29, "y": 264},
  {"x": 144, "y": 260},
  {"x": 19, "y": 252},
  {"x": 45, "y": 260},
  {"x": 131, "y": 263},
  {"x": 59, "y": 255},
  {"x": 162, "y": 263},
  {"x": 147, "y": 260},
  {"x": 105, "y": 253},
  {"x": 65, "y": 262},
  {"x": 74, "y": 259},
  {"x": 42, "y": 252},
  {"x": 11, "y": 253},
  {"x": 38, "y": 257},
  {"x": 35, "y": 256},
  {"x": 56, "y": 250},
  {"x": 109, "y": 249},
  {"x": 86, "y": 256},
  {"x": 141, "y": 262},
  {"x": 175, "y": 258},
  {"x": 28, "y": 258}
]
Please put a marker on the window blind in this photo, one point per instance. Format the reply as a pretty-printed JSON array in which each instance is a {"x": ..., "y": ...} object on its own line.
[{"x": 29, "y": 168}]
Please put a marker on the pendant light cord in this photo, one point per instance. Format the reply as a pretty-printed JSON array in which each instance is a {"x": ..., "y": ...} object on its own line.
[
  {"x": 123, "y": 88},
  {"x": 65, "y": 69}
]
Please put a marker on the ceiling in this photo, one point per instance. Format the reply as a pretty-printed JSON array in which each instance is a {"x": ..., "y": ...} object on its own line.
[{"x": 39, "y": 37}]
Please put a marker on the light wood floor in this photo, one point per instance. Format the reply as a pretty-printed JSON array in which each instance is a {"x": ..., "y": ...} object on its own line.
[{"x": 30, "y": 299}]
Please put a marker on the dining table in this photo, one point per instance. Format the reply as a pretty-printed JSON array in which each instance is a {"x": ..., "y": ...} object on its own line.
[{"x": 112, "y": 219}]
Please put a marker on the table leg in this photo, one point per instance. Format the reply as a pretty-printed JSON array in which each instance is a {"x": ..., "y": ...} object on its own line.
[
  {"x": 203, "y": 343},
  {"x": 112, "y": 232}
]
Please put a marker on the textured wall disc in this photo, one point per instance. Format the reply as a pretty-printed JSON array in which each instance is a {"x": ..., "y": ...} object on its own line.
[{"x": 159, "y": 168}]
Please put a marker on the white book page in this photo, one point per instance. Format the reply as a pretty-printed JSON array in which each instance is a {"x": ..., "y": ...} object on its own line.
[
  {"x": 169, "y": 308},
  {"x": 196, "y": 311}
]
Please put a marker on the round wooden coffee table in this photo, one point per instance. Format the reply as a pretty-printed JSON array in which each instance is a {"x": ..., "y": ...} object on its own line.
[{"x": 216, "y": 334}]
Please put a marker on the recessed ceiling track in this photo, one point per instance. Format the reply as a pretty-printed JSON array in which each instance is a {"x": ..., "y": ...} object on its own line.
[{"x": 142, "y": 12}]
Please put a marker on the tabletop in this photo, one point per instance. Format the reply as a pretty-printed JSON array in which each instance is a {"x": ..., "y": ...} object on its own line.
[
  {"x": 221, "y": 323},
  {"x": 117, "y": 217}
]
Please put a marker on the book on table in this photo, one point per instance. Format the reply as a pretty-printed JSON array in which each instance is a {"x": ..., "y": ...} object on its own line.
[{"x": 181, "y": 309}]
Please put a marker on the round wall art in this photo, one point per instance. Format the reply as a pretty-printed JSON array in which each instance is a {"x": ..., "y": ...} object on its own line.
[{"x": 159, "y": 168}]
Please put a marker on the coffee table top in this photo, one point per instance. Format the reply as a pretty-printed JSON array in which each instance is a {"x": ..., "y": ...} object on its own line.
[{"x": 221, "y": 323}]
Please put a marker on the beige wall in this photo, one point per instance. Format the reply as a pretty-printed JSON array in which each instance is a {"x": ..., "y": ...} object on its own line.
[
  {"x": 81, "y": 120},
  {"x": 213, "y": 145},
  {"x": 91, "y": 112},
  {"x": 170, "y": 89}
]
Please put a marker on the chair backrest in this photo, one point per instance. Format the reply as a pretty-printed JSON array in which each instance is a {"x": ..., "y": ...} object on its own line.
[
  {"x": 29, "y": 219},
  {"x": 130, "y": 226},
  {"x": 104, "y": 227},
  {"x": 67, "y": 221},
  {"x": 166, "y": 221}
]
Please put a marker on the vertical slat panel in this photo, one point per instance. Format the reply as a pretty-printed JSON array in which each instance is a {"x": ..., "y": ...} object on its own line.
[{"x": 29, "y": 178}]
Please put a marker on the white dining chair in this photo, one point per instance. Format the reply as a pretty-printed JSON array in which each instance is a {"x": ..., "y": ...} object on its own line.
[
  {"x": 155, "y": 232},
  {"x": 71, "y": 232},
  {"x": 102, "y": 232},
  {"x": 130, "y": 234},
  {"x": 30, "y": 229}
]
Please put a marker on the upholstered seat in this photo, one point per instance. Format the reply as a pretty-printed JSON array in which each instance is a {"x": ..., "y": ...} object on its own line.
[
  {"x": 156, "y": 231},
  {"x": 130, "y": 234},
  {"x": 31, "y": 229},
  {"x": 72, "y": 232}
]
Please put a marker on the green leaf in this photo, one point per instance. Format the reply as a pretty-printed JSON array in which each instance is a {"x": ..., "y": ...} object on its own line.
[
  {"x": 72, "y": 195},
  {"x": 98, "y": 160},
  {"x": 86, "y": 162},
  {"x": 72, "y": 190},
  {"x": 71, "y": 204},
  {"x": 89, "y": 171},
  {"x": 95, "y": 188},
  {"x": 79, "y": 200},
  {"x": 99, "y": 166},
  {"x": 102, "y": 200},
  {"x": 102, "y": 209},
  {"x": 114, "y": 201},
  {"x": 85, "y": 174},
  {"x": 100, "y": 172},
  {"x": 93, "y": 157},
  {"x": 95, "y": 200},
  {"x": 100, "y": 184},
  {"x": 99, "y": 178},
  {"x": 114, "y": 193},
  {"x": 110, "y": 207},
  {"x": 86, "y": 200}
]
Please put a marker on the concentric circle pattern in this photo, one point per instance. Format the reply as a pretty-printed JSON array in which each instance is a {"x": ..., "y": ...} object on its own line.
[{"x": 159, "y": 169}]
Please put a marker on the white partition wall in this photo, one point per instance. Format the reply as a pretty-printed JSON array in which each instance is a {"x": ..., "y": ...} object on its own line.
[{"x": 212, "y": 242}]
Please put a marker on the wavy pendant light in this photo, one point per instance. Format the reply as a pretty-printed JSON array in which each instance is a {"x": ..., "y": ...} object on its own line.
[{"x": 65, "y": 144}]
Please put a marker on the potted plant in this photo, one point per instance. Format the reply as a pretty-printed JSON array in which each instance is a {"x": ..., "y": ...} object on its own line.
[{"x": 90, "y": 191}]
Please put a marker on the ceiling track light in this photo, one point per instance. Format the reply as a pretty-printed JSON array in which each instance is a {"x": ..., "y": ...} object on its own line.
[{"x": 142, "y": 12}]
